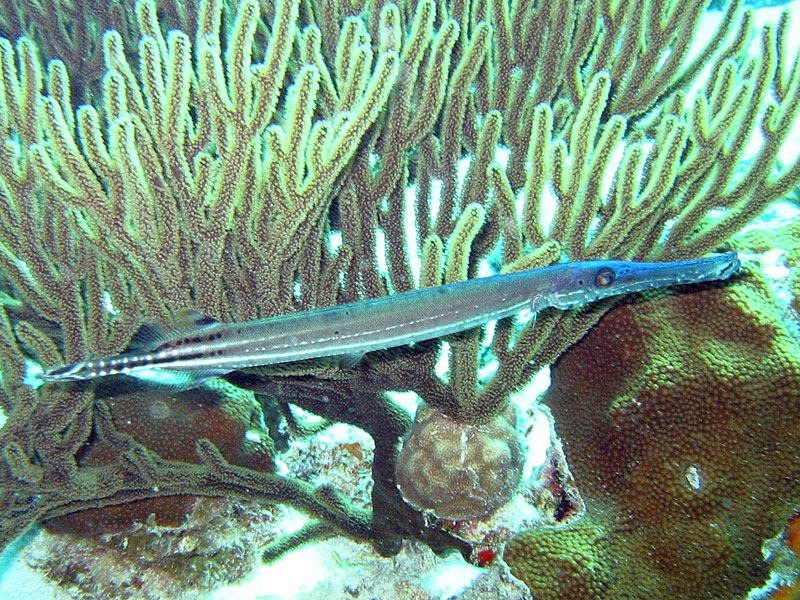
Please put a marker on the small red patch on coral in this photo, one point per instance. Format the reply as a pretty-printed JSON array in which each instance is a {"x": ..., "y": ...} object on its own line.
[
  {"x": 485, "y": 557},
  {"x": 793, "y": 534},
  {"x": 786, "y": 592}
]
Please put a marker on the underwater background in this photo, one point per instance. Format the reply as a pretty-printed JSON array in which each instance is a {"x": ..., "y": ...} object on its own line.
[{"x": 167, "y": 164}]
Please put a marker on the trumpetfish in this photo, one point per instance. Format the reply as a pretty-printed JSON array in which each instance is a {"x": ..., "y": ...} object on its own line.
[{"x": 208, "y": 348}]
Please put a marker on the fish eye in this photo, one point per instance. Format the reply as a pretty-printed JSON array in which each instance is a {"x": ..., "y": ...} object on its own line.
[{"x": 605, "y": 277}]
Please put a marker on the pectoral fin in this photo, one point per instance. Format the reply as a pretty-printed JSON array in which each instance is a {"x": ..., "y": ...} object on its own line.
[{"x": 348, "y": 361}]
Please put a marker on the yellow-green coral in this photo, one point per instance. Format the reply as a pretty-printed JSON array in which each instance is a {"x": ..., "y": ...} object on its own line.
[
  {"x": 683, "y": 448},
  {"x": 563, "y": 562}
]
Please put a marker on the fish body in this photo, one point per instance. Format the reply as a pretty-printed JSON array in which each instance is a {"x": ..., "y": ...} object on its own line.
[{"x": 210, "y": 348}]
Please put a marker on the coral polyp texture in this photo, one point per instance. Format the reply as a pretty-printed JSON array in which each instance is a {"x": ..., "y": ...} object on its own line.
[
  {"x": 459, "y": 471},
  {"x": 678, "y": 414},
  {"x": 248, "y": 159}
]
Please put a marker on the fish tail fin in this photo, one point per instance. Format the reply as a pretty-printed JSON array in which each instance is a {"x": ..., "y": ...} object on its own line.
[
  {"x": 78, "y": 371},
  {"x": 150, "y": 338}
]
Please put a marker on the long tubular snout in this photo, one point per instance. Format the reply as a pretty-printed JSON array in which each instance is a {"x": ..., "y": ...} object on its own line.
[{"x": 596, "y": 279}]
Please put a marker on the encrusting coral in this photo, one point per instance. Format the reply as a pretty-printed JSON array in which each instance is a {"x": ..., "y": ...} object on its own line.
[
  {"x": 678, "y": 414},
  {"x": 249, "y": 159}
]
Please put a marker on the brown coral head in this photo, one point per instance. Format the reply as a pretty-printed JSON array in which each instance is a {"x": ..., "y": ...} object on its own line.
[
  {"x": 169, "y": 425},
  {"x": 459, "y": 471},
  {"x": 678, "y": 416}
]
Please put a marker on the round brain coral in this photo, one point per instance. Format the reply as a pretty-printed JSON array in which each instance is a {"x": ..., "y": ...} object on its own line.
[
  {"x": 680, "y": 418},
  {"x": 459, "y": 471}
]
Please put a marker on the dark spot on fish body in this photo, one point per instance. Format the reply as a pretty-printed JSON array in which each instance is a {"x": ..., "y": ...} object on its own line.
[{"x": 204, "y": 321}]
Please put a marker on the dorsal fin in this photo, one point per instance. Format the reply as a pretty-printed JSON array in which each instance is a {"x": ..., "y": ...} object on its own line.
[
  {"x": 149, "y": 335},
  {"x": 152, "y": 334}
]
